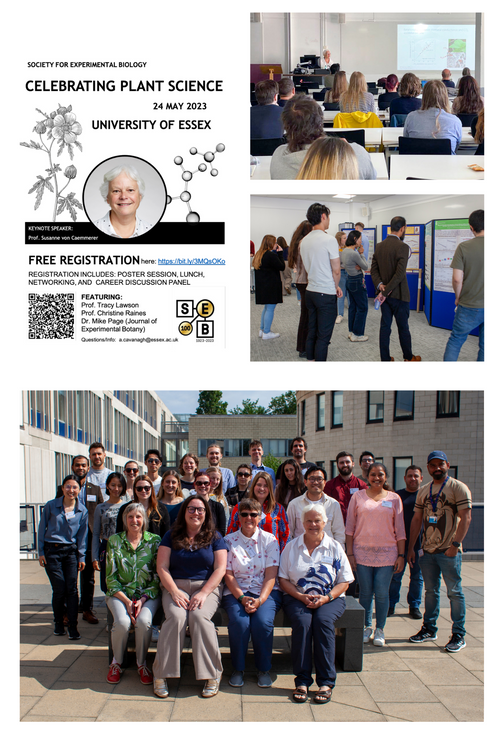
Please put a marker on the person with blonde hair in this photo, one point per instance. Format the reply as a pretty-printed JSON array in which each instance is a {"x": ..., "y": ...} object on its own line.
[
  {"x": 434, "y": 119},
  {"x": 339, "y": 87},
  {"x": 329, "y": 158},
  {"x": 268, "y": 262},
  {"x": 357, "y": 98}
]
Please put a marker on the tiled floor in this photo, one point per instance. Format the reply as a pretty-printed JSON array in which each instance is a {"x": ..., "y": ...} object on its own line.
[
  {"x": 66, "y": 681},
  {"x": 427, "y": 341}
]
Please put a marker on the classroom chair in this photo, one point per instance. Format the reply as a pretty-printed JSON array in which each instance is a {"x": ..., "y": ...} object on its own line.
[
  {"x": 265, "y": 146},
  {"x": 424, "y": 146}
]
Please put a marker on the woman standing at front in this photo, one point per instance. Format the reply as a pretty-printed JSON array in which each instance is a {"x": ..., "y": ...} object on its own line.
[
  {"x": 268, "y": 263},
  {"x": 62, "y": 544},
  {"x": 314, "y": 573},
  {"x": 355, "y": 263},
  {"x": 375, "y": 545},
  {"x": 191, "y": 564}
]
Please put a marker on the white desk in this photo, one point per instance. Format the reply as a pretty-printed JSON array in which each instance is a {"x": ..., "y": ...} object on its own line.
[
  {"x": 263, "y": 170},
  {"x": 435, "y": 167},
  {"x": 391, "y": 136}
]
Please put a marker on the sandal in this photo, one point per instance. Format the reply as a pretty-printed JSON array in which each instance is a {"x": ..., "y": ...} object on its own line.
[
  {"x": 211, "y": 688},
  {"x": 299, "y": 695},
  {"x": 323, "y": 695}
]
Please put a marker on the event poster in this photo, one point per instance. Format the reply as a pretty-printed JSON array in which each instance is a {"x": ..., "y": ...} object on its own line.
[
  {"x": 428, "y": 255},
  {"x": 448, "y": 235}
]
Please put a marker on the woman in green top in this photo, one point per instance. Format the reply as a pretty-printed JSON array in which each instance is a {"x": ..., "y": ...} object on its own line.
[{"x": 133, "y": 589}]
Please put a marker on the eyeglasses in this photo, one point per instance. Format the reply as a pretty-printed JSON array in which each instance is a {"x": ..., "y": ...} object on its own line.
[
  {"x": 316, "y": 479},
  {"x": 143, "y": 488},
  {"x": 202, "y": 484},
  {"x": 193, "y": 509},
  {"x": 154, "y": 461},
  {"x": 132, "y": 471},
  {"x": 246, "y": 514},
  {"x": 367, "y": 460},
  {"x": 242, "y": 474}
]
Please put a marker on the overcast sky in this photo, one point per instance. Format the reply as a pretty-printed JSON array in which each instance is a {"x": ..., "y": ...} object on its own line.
[{"x": 186, "y": 402}]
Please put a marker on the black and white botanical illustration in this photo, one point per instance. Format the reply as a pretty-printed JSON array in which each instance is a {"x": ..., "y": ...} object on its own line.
[{"x": 57, "y": 133}]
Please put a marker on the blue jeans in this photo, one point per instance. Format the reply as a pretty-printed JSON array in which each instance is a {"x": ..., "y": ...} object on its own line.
[
  {"x": 374, "y": 582},
  {"x": 414, "y": 597},
  {"x": 466, "y": 319},
  {"x": 313, "y": 626},
  {"x": 322, "y": 310},
  {"x": 62, "y": 570},
  {"x": 432, "y": 566},
  {"x": 266, "y": 319},
  {"x": 395, "y": 308},
  {"x": 259, "y": 625},
  {"x": 342, "y": 285},
  {"x": 358, "y": 305}
]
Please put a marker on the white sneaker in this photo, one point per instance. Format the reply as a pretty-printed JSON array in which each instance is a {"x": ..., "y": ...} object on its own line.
[
  {"x": 367, "y": 634},
  {"x": 358, "y": 338},
  {"x": 270, "y": 335},
  {"x": 260, "y": 333},
  {"x": 349, "y": 335},
  {"x": 378, "y": 638},
  {"x": 339, "y": 319},
  {"x": 155, "y": 633}
]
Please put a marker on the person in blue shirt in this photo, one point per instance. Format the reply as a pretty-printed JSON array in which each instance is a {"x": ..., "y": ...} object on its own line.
[
  {"x": 256, "y": 453},
  {"x": 62, "y": 543},
  {"x": 214, "y": 456}
]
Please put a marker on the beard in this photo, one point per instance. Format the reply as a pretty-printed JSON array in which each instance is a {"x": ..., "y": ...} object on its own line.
[{"x": 345, "y": 472}]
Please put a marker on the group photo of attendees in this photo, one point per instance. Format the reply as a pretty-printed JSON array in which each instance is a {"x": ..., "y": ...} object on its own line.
[
  {"x": 329, "y": 271},
  {"x": 174, "y": 547},
  {"x": 315, "y": 119}
]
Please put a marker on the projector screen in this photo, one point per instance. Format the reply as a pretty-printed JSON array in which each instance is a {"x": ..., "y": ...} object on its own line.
[{"x": 435, "y": 47}]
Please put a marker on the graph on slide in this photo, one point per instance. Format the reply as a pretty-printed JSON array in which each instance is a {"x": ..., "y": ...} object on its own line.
[{"x": 423, "y": 51}]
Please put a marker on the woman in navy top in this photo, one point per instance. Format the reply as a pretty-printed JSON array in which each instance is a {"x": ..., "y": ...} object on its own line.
[
  {"x": 408, "y": 100},
  {"x": 191, "y": 564},
  {"x": 62, "y": 544}
]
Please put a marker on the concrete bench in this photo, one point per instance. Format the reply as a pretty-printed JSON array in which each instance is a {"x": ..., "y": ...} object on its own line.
[{"x": 348, "y": 634}]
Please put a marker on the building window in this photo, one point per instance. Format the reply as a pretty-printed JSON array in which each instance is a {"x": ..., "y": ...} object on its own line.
[
  {"x": 453, "y": 472},
  {"x": 448, "y": 404},
  {"x": 320, "y": 464},
  {"x": 399, "y": 466},
  {"x": 375, "y": 407},
  {"x": 320, "y": 411},
  {"x": 303, "y": 419},
  {"x": 236, "y": 447},
  {"x": 334, "y": 472},
  {"x": 203, "y": 446},
  {"x": 337, "y": 408},
  {"x": 404, "y": 404},
  {"x": 277, "y": 448}
]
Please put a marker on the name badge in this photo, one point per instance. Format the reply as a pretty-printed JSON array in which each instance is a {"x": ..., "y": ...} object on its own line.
[
  {"x": 327, "y": 559},
  {"x": 352, "y": 490},
  {"x": 250, "y": 553},
  {"x": 432, "y": 519},
  {"x": 421, "y": 553},
  {"x": 70, "y": 514},
  {"x": 91, "y": 498},
  {"x": 386, "y": 504},
  {"x": 241, "y": 555}
]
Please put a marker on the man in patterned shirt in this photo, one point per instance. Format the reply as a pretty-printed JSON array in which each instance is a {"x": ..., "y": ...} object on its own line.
[{"x": 444, "y": 505}]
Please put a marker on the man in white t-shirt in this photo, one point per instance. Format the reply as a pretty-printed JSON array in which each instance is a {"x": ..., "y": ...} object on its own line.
[
  {"x": 315, "y": 479},
  {"x": 98, "y": 473},
  {"x": 153, "y": 462},
  {"x": 321, "y": 259}
]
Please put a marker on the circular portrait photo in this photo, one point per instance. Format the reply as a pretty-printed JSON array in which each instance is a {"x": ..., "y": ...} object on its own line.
[{"x": 124, "y": 196}]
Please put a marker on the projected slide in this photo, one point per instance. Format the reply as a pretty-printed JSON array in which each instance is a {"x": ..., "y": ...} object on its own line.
[{"x": 434, "y": 47}]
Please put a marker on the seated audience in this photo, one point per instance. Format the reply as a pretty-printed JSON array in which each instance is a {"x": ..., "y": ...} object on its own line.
[
  {"x": 465, "y": 72},
  {"x": 469, "y": 99},
  {"x": 357, "y": 97},
  {"x": 251, "y": 594},
  {"x": 286, "y": 91},
  {"x": 329, "y": 158},
  {"x": 391, "y": 84},
  {"x": 192, "y": 561},
  {"x": 339, "y": 87},
  {"x": 477, "y": 130},
  {"x": 314, "y": 574},
  {"x": 265, "y": 120},
  {"x": 434, "y": 119},
  {"x": 409, "y": 96},
  {"x": 446, "y": 76},
  {"x": 303, "y": 123},
  {"x": 133, "y": 590}
]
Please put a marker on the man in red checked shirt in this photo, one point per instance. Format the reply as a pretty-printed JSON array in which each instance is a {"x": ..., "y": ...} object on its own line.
[{"x": 345, "y": 484}]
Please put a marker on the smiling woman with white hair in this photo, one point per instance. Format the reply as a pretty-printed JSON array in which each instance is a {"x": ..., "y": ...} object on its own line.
[
  {"x": 123, "y": 189},
  {"x": 314, "y": 575}
]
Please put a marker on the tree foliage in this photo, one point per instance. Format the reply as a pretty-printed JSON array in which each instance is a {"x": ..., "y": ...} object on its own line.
[
  {"x": 249, "y": 407},
  {"x": 286, "y": 403},
  {"x": 210, "y": 402}
]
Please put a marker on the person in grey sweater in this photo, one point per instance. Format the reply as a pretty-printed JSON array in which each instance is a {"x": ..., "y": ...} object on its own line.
[
  {"x": 355, "y": 263},
  {"x": 303, "y": 124}
]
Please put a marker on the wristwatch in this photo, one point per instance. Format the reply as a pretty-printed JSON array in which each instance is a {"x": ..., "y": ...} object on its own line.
[
  {"x": 456, "y": 544},
  {"x": 400, "y": 555},
  {"x": 329, "y": 595}
]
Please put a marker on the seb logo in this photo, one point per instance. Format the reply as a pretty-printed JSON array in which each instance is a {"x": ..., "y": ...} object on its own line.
[{"x": 196, "y": 314}]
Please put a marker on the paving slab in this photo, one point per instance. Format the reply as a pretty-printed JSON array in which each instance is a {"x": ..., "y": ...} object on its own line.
[
  {"x": 341, "y": 712},
  {"x": 35, "y": 717},
  {"x": 139, "y": 710},
  {"x": 78, "y": 702},
  {"x": 36, "y": 680},
  {"x": 396, "y": 686},
  {"x": 190, "y": 706},
  {"x": 88, "y": 669},
  {"x": 27, "y": 703},
  {"x": 382, "y": 660},
  {"x": 416, "y": 711},
  {"x": 441, "y": 672},
  {"x": 465, "y": 703},
  {"x": 470, "y": 658},
  {"x": 475, "y": 628},
  {"x": 52, "y": 656},
  {"x": 357, "y": 696},
  {"x": 283, "y": 712},
  {"x": 280, "y": 692}
]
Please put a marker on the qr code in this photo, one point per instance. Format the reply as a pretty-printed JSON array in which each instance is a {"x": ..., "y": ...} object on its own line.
[{"x": 51, "y": 316}]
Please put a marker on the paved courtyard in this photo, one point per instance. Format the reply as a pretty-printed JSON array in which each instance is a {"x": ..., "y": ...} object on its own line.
[
  {"x": 62, "y": 680},
  {"x": 427, "y": 341}
]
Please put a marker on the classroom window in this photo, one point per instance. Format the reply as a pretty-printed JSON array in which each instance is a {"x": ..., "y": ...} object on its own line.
[
  {"x": 404, "y": 404},
  {"x": 399, "y": 466},
  {"x": 448, "y": 404},
  {"x": 337, "y": 408},
  {"x": 320, "y": 411},
  {"x": 375, "y": 407}
]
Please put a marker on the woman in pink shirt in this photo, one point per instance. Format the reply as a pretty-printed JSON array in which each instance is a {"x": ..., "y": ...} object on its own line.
[{"x": 375, "y": 545}]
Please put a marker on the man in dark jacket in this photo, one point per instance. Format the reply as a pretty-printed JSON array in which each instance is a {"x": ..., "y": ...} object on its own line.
[
  {"x": 265, "y": 118},
  {"x": 388, "y": 274}
]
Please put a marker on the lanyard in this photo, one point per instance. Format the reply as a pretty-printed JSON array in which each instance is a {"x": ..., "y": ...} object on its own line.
[{"x": 434, "y": 500}]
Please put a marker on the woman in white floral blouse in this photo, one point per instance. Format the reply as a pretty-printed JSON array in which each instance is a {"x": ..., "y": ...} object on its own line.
[
  {"x": 133, "y": 589},
  {"x": 251, "y": 595}
]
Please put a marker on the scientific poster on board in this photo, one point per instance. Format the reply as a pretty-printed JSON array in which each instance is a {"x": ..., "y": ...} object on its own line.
[{"x": 448, "y": 235}]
